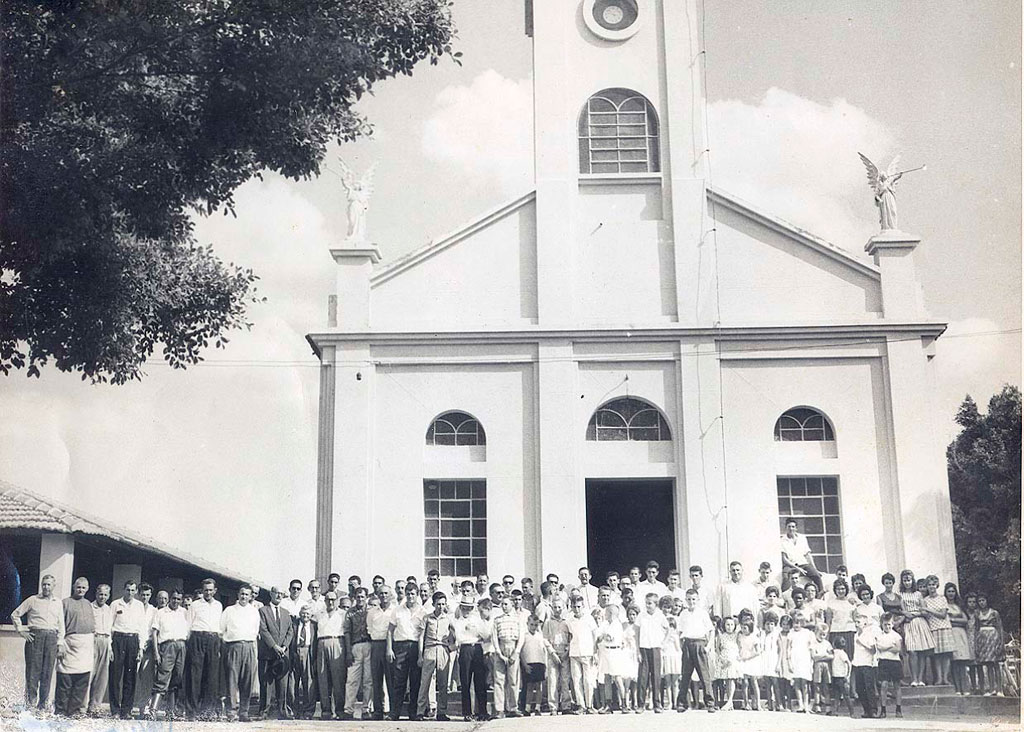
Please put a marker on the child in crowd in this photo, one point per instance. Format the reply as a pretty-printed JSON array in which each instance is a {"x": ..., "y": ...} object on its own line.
[
  {"x": 867, "y": 605},
  {"x": 630, "y": 643},
  {"x": 822, "y": 654},
  {"x": 533, "y": 660},
  {"x": 888, "y": 646},
  {"x": 770, "y": 679},
  {"x": 865, "y": 644},
  {"x": 785, "y": 667},
  {"x": 556, "y": 638},
  {"x": 671, "y": 653},
  {"x": 653, "y": 629},
  {"x": 773, "y": 603},
  {"x": 582, "y": 634},
  {"x": 841, "y": 670},
  {"x": 813, "y": 605},
  {"x": 507, "y": 643},
  {"x": 727, "y": 652},
  {"x": 801, "y": 662},
  {"x": 749, "y": 644},
  {"x": 613, "y": 658}
]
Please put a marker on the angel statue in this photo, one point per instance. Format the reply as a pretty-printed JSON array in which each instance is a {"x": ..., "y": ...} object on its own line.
[
  {"x": 884, "y": 186},
  {"x": 358, "y": 192}
]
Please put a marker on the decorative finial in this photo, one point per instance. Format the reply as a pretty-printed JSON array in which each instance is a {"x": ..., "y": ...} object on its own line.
[{"x": 884, "y": 186}]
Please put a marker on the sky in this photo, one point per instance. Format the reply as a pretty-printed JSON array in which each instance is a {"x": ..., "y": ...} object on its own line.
[{"x": 794, "y": 91}]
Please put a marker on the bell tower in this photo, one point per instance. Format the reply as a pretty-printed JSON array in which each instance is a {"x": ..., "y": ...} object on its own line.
[{"x": 620, "y": 162}]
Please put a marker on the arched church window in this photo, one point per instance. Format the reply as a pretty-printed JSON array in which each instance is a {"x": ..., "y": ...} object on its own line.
[
  {"x": 456, "y": 428},
  {"x": 628, "y": 419},
  {"x": 618, "y": 131},
  {"x": 803, "y": 424}
]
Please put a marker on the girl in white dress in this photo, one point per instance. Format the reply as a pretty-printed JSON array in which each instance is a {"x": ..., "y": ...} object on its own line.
[
  {"x": 613, "y": 662},
  {"x": 801, "y": 664},
  {"x": 770, "y": 672}
]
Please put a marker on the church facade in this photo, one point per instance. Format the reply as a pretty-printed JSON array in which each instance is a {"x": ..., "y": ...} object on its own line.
[{"x": 626, "y": 362}]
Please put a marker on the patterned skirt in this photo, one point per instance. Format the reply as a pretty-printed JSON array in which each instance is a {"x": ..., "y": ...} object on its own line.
[
  {"x": 988, "y": 646},
  {"x": 943, "y": 638},
  {"x": 917, "y": 636},
  {"x": 961, "y": 648}
]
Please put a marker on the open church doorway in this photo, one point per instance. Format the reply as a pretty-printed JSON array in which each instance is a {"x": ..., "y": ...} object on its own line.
[{"x": 630, "y": 522}]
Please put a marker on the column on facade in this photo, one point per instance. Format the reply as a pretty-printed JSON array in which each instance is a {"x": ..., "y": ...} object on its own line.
[
  {"x": 702, "y": 495},
  {"x": 563, "y": 523},
  {"x": 923, "y": 484}
]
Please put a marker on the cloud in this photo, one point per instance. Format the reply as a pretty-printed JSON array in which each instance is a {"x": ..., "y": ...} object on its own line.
[
  {"x": 798, "y": 159},
  {"x": 485, "y": 130}
]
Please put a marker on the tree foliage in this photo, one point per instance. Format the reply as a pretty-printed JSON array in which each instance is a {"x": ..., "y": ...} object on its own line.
[
  {"x": 984, "y": 464},
  {"x": 121, "y": 118}
]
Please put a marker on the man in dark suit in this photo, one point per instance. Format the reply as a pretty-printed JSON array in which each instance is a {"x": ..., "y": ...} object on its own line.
[
  {"x": 302, "y": 684},
  {"x": 276, "y": 632}
]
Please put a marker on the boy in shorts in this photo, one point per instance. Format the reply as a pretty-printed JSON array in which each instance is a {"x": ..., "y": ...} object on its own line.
[{"x": 890, "y": 669}]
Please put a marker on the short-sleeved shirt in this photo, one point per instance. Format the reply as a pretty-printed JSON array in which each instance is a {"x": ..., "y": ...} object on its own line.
[
  {"x": 103, "y": 618},
  {"x": 507, "y": 628},
  {"x": 736, "y": 596},
  {"x": 78, "y": 616},
  {"x": 436, "y": 630},
  {"x": 694, "y": 625},
  {"x": 889, "y": 645},
  {"x": 644, "y": 587},
  {"x": 331, "y": 625},
  {"x": 469, "y": 629},
  {"x": 796, "y": 549},
  {"x": 170, "y": 625},
  {"x": 582, "y": 630},
  {"x": 204, "y": 617},
  {"x": 130, "y": 617},
  {"x": 556, "y": 633},
  {"x": 840, "y": 664},
  {"x": 533, "y": 649},
  {"x": 408, "y": 622},
  {"x": 378, "y": 621},
  {"x": 653, "y": 627},
  {"x": 864, "y": 656}
]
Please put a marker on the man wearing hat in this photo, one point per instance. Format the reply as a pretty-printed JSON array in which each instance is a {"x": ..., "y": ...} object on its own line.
[{"x": 276, "y": 630}]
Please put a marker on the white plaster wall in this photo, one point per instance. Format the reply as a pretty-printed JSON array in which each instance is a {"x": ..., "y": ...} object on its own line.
[
  {"x": 851, "y": 392},
  {"x": 408, "y": 399},
  {"x": 766, "y": 277},
  {"x": 489, "y": 278}
]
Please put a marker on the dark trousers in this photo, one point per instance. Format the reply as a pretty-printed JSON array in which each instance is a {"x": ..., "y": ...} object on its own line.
[
  {"x": 650, "y": 675},
  {"x": 69, "y": 697},
  {"x": 302, "y": 689},
  {"x": 238, "y": 677},
  {"x": 865, "y": 678},
  {"x": 695, "y": 656},
  {"x": 124, "y": 664},
  {"x": 381, "y": 675},
  {"x": 170, "y": 668},
  {"x": 280, "y": 686},
  {"x": 472, "y": 669},
  {"x": 203, "y": 651},
  {"x": 40, "y": 660},
  {"x": 407, "y": 676}
]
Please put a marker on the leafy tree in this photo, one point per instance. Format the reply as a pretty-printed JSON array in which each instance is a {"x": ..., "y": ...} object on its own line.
[
  {"x": 121, "y": 118},
  {"x": 984, "y": 464}
]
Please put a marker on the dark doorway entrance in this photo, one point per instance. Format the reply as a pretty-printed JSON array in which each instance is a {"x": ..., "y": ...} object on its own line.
[{"x": 630, "y": 522}]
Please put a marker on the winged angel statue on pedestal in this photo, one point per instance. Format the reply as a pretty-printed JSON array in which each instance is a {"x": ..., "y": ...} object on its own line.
[
  {"x": 358, "y": 192},
  {"x": 884, "y": 185}
]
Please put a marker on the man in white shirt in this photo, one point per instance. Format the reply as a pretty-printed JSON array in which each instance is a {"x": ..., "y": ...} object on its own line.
[
  {"x": 587, "y": 590},
  {"x": 204, "y": 653},
  {"x": 169, "y": 633},
  {"x": 796, "y": 552},
  {"x": 293, "y": 603},
  {"x": 316, "y": 602},
  {"x": 147, "y": 666},
  {"x": 331, "y": 673},
  {"x": 674, "y": 586},
  {"x": 705, "y": 595},
  {"x": 654, "y": 629},
  {"x": 43, "y": 634},
  {"x": 239, "y": 629},
  {"x": 378, "y": 621},
  {"x": 127, "y": 633},
  {"x": 103, "y": 618},
  {"x": 735, "y": 594},
  {"x": 651, "y": 583},
  {"x": 403, "y": 650}
]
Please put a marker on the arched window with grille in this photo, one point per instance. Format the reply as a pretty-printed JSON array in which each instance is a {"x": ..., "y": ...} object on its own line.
[
  {"x": 618, "y": 133},
  {"x": 628, "y": 419},
  {"x": 456, "y": 428},
  {"x": 803, "y": 424}
]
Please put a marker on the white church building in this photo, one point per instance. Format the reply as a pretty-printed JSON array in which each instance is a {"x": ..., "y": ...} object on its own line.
[{"x": 626, "y": 362}]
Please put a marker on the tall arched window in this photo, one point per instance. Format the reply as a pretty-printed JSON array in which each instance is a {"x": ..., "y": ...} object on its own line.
[
  {"x": 802, "y": 424},
  {"x": 456, "y": 428},
  {"x": 618, "y": 131},
  {"x": 628, "y": 419}
]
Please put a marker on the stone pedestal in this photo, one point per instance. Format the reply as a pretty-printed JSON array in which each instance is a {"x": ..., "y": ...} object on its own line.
[
  {"x": 893, "y": 252},
  {"x": 355, "y": 266}
]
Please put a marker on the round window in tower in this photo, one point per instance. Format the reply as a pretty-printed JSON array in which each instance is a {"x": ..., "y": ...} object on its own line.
[{"x": 613, "y": 20}]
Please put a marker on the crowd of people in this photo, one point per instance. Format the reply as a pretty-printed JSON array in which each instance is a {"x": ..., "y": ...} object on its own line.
[{"x": 807, "y": 643}]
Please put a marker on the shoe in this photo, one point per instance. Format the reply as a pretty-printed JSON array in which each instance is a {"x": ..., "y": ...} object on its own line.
[
  {"x": 883, "y": 714},
  {"x": 347, "y": 717},
  {"x": 442, "y": 718},
  {"x": 467, "y": 718},
  {"x": 711, "y": 709},
  {"x": 682, "y": 709}
]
